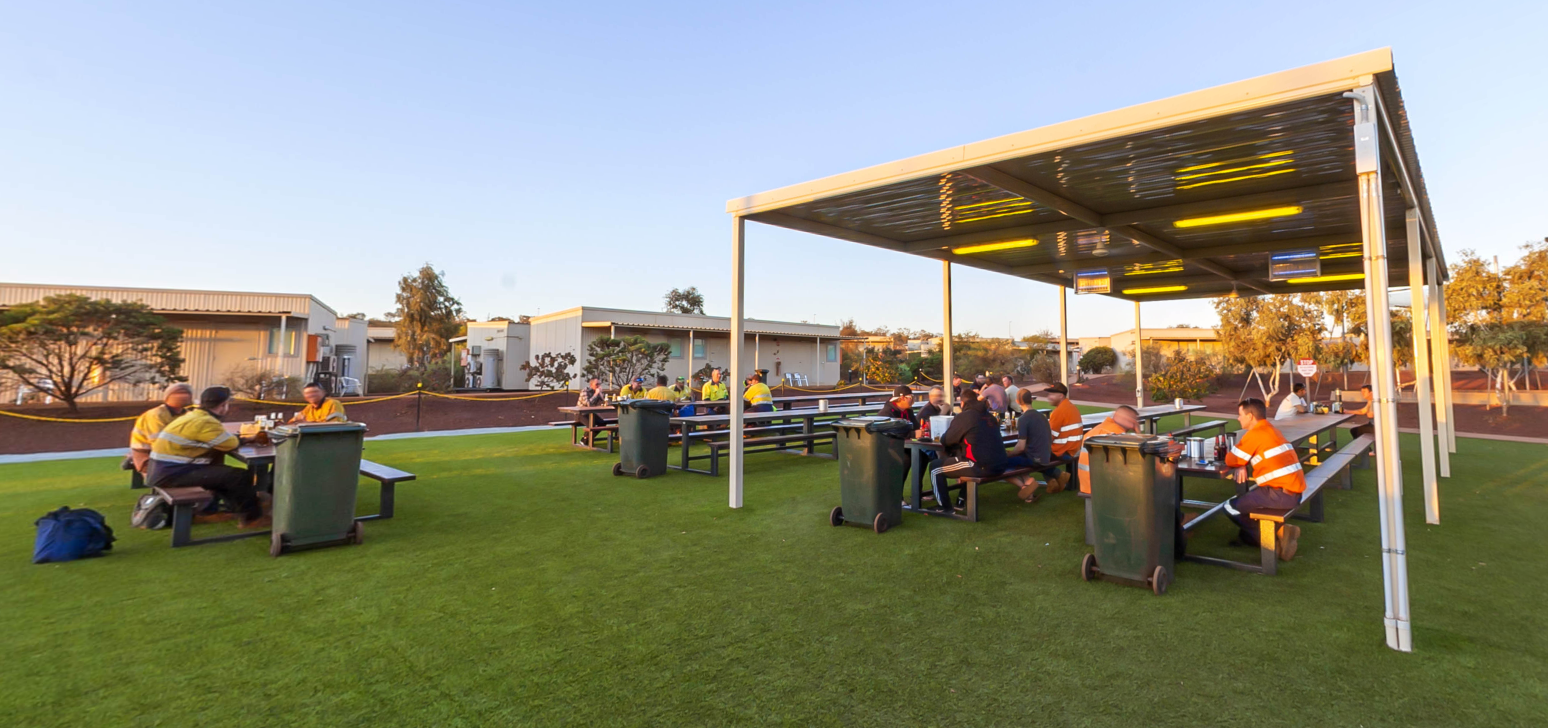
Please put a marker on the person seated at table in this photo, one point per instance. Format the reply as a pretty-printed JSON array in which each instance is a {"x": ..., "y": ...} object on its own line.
[
  {"x": 758, "y": 396},
  {"x": 174, "y": 402},
  {"x": 185, "y": 454},
  {"x": 1065, "y": 424},
  {"x": 682, "y": 391},
  {"x": 661, "y": 392},
  {"x": 901, "y": 406},
  {"x": 994, "y": 395},
  {"x": 958, "y": 387},
  {"x": 1123, "y": 420},
  {"x": 1034, "y": 449},
  {"x": 1011, "y": 390},
  {"x": 934, "y": 406},
  {"x": 592, "y": 395},
  {"x": 319, "y": 406},
  {"x": 974, "y": 449},
  {"x": 1294, "y": 403},
  {"x": 715, "y": 390},
  {"x": 1276, "y": 468},
  {"x": 633, "y": 390},
  {"x": 1369, "y": 428}
]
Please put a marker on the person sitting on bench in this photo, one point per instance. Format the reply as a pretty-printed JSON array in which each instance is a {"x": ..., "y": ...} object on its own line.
[
  {"x": 1122, "y": 420},
  {"x": 934, "y": 406},
  {"x": 319, "y": 406},
  {"x": 974, "y": 449},
  {"x": 758, "y": 396},
  {"x": 682, "y": 391},
  {"x": 1276, "y": 467},
  {"x": 1034, "y": 448},
  {"x": 901, "y": 406},
  {"x": 591, "y": 395},
  {"x": 661, "y": 392},
  {"x": 174, "y": 401},
  {"x": 1369, "y": 428},
  {"x": 1065, "y": 424},
  {"x": 185, "y": 452},
  {"x": 1294, "y": 403},
  {"x": 633, "y": 390}
]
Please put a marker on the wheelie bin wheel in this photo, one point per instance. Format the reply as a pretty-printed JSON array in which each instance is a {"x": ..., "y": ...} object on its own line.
[
  {"x": 836, "y": 516},
  {"x": 617, "y": 469},
  {"x": 357, "y": 534},
  {"x": 642, "y": 472},
  {"x": 880, "y": 524},
  {"x": 1158, "y": 581},
  {"x": 276, "y": 545},
  {"x": 1088, "y": 567}
]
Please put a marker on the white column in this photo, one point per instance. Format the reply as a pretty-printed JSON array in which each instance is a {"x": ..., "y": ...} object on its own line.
[
  {"x": 282, "y": 344},
  {"x": 1442, "y": 365},
  {"x": 1389, "y": 470},
  {"x": 689, "y": 356},
  {"x": 946, "y": 365},
  {"x": 1139, "y": 359},
  {"x": 1447, "y": 392},
  {"x": 738, "y": 333},
  {"x": 1064, "y": 340},
  {"x": 1422, "y": 369}
]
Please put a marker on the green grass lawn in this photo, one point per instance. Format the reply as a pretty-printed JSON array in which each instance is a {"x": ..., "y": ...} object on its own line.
[{"x": 521, "y": 584}]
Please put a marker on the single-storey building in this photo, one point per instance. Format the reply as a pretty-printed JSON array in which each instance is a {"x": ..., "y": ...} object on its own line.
[
  {"x": 228, "y": 332},
  {"x": 1169, "y": 341}
]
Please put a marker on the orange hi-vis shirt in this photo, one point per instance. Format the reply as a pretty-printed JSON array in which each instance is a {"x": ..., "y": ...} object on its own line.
[
  {"x": 1275, "y": 463},
  {"x": 1064, "y": 422},
  {"x": 1105, "y": 427}
]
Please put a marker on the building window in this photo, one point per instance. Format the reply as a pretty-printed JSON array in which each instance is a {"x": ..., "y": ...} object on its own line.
[
  {"x": 677, "y": 348},
  {"x": 698, "y": 348},
  {"x": 832, "y": 353},
  {"x": 274, "y": 342}
]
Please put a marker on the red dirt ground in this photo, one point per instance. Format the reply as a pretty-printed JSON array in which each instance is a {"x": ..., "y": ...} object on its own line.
[{"x": 30, "y": 436}]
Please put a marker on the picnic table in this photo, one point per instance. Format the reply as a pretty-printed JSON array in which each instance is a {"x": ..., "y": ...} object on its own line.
[
  {"x": 259, "y": 460},
  {"x": 807, "y": 419}
]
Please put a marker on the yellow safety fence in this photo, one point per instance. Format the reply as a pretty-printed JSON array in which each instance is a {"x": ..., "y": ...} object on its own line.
[
  {"x": 502, "y": 399},
  {"x": 281, "y": 403},
  {"x": 39, "y": 418}
]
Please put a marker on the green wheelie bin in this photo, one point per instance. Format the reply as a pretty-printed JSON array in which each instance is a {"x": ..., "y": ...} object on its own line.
[
  {"x": 316, "y": 471},
  {"x": 1134, "y": 504},
  {"x": 644, "y": 431},
  {"x": 872, "y": 465}
]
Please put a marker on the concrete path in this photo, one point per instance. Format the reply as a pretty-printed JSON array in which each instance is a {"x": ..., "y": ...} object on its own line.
[{"x": 119, "y": 452}]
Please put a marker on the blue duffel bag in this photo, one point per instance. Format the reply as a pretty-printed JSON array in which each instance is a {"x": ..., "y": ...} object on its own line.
[{"x": 67, "y": 535}]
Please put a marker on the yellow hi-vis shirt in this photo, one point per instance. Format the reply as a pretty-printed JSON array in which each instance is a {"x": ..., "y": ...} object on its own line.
[
  {"x": 662, "y": 393},
  {"x": 148, "y": 425},
  {"x": 682, "y": 394},
  {"x": 716, "y": 391},
  {"x": 759, "y": 394},
  {"x": 188, "y": 440},
  {"x": 630, "y": 391},
  {"x": 329, "y": 411}
]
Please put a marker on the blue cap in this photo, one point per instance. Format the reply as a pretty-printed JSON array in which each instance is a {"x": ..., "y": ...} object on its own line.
[{"x": 639, "y": 380}]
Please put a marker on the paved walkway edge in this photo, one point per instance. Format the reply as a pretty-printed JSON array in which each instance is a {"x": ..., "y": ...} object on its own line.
[{"x": 119, "y": 452}]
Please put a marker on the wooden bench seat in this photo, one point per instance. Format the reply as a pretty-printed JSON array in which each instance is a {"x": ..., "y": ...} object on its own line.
[
  {"x": 768, "y": 444},
  {"x": 389, "y": 477},
  {"x": 1336, "y": 467},
  {"x": 970, "y": 494}
]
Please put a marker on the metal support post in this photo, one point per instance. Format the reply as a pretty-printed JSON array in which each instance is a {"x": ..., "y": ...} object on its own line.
[
  {"x": 1448, "y": 392},
  {"x": 1389, "y": 472},
  {"x": 1064, "y": 340},
  {"x": 1420, "y": 317},
  {"x": 1139, "y": 359},
  {"x": 738, "y": 334},
  {"x": 1442, "y": 364},
  {"x": 946, "y": 363}
]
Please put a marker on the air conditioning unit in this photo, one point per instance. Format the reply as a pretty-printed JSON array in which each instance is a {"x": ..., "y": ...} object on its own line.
[{"x": 328, "y": 364}]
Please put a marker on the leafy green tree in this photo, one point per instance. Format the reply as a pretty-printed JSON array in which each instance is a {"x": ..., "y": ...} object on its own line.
[
  {"x": 1099, "y": 359},
  {"x": 1183, "y": 376},
  {"x": 427, "y": 317},
  {"x": 684, "y": 301},
  {"x": 621, "y": 360},
  {"x": 1264, "y": 333},
  {"x": 72, "y": 345}
]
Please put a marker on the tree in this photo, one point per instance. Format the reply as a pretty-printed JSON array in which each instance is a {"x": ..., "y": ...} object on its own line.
[
  {"x": 426, "y": 319},
  {"x": 72, "y": 345},
  {"x": 616, "y": 361},
  {"x": 684, "y": 301},
  {"x": 1099, "y": 359},
  {"x": 1185, "y": 377},
  {"x": 1264, "y": 333},
  {"x": 1526, "y": 285},
  {"x": 549, "y": 370}
]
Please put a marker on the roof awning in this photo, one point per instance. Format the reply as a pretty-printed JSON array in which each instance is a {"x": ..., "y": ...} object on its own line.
[
  {"x": 712, "y": 330},
  {"x": 1181, "y": 198}
]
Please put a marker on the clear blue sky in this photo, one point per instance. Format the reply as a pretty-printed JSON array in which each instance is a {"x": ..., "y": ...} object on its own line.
[{"x": 548, "y": 155}]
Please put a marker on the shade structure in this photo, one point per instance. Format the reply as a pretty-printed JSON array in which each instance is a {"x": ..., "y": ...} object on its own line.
[{"x": 1299, "y": 181}]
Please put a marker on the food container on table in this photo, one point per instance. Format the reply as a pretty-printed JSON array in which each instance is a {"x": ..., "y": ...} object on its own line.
[{"x": 1196, "y": 448}]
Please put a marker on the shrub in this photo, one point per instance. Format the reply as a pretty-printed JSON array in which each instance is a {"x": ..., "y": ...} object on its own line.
[
  {"x": 1098, "y": 360},
  {"x": 549, "y": 370},
  {"x": 1185, "y": 377},
  {"x": 1045, "y": 368},
  {"x": 250, "y": 380},
  {"x": 437, "y": 378}
]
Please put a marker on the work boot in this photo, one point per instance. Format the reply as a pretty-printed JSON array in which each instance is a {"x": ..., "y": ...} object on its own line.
[
  {"x": 1064, "y": 480},
  {"x": 1055, "y": 485},
  {"x": 1029, "y": 492},
  {"x": 1285, "y": 541}
]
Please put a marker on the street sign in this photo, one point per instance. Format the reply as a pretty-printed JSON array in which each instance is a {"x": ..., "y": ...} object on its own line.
[{"x": 1306, "y": 367}]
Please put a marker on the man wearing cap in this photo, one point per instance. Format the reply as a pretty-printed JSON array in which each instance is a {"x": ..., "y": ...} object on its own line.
[
  {"x": 633, "y": 390},
  {"x": 901, "y": 406},
  {"x": 1065, "y": 424},
  {"x": 174, "y": 401},
  {"x": 186, "y": 453},
  {"x": 319, "y": 406},
  {"x": 758, "y": 396},
  {"x": 682, "y": 391}
]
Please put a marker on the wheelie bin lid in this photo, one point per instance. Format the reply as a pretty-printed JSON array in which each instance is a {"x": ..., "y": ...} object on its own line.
[
  {"x": 1146, "y": 444},
  {"x": 310, "y": 428},
  {"x": 658, "y": 405},
  {"x": 882, "y": 425}
]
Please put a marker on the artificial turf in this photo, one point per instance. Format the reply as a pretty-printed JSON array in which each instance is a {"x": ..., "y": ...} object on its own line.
[{"x": 522, "y": 584}]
